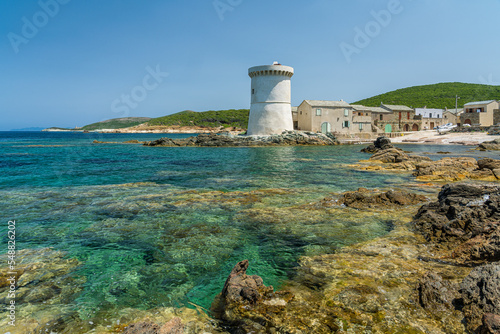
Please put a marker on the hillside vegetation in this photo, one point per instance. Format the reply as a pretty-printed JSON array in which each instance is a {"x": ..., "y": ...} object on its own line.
[
  {"x": 439, "y": 95},
  {"x": 213, "y": 118},
  {"x": 116, "y": 123}
]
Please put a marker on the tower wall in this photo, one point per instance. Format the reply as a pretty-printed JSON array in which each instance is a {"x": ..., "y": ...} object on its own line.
[{"x": 270, "y": 110}]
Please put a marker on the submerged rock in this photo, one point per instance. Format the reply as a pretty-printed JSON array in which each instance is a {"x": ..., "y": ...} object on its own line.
[
  {"x": 465, "y": 219},
  {"x": 174, "y": 326},
  {"x": 287, "y": 138},
  {"x": 481, "y": 297}
]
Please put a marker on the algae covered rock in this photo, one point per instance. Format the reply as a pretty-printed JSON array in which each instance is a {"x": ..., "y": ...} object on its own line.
[
  {"x": 481, "y": 297},
  {"x": 457, "y": 169},
  {"x": 363, "y": 198}
]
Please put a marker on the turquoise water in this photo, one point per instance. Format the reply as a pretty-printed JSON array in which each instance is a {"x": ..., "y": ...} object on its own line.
[{"x": 153, "y": 226}]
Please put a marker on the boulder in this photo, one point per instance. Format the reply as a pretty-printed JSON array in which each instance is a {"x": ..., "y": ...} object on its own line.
[
  {"x": 481, "y": 298},
  {"x": 381, "y": 143},
  {"x": 465, "y": 219}
]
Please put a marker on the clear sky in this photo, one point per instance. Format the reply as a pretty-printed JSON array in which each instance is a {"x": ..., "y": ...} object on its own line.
[{"x": 73, "y": 62}]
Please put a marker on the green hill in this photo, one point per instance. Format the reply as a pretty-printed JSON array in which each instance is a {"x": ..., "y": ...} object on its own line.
[
  {"x": 213, "y": 118},
  {"x": 439, "y": 95},
  {"x": 116, "y": 123}
]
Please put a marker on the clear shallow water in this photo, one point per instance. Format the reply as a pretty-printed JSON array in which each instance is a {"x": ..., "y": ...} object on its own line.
[{"x": 152, "y": 226}]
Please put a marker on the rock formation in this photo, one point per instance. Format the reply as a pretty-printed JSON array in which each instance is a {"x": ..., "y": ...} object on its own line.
[
  {"x": 381, "y": 143},
  {"x": 364, "y": 198},
  {"x": 247, "y": 304},
  {"x": 435, "y": 294},
  {"x": 466, "y": 220},
  {"x": 287, "y": 138},
  {"x": 481, "y": 297},
  {"x": 457, "y": 169}
]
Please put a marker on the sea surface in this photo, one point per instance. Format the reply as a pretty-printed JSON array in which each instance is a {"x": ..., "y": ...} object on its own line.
[{"x": 117, "y": 226}]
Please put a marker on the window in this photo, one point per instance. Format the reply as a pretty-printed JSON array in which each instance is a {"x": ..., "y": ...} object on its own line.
[
  {"x": 408, "y": 116},
  {"x": 381, "y": 117},
  {"x": 318, "y": 112},
  {"x": 345, "y": 124},
  {"x": 361, "y": 126},
  {"x": 430, "y": 115},
  {"x": 253, "y": 91},
  {"x": 301, "y": 112},
  {"x": 366, "y": 114},
  {"x": 346, "y": 112}
]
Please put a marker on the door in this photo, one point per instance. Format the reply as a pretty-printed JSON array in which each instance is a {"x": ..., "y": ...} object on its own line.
[
  {"x": 388, "y": 128},
  {"x": 326, "y": 128}
]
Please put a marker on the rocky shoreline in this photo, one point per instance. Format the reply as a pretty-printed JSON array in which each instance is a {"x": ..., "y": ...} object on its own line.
[{"x": 287, "y": 138}]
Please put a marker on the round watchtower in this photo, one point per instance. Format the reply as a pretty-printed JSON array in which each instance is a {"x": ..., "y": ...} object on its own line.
[{"x": 271, "y": 109}]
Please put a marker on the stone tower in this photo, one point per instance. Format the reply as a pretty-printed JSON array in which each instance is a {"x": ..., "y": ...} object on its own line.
[{"x": 271, "y": 109}]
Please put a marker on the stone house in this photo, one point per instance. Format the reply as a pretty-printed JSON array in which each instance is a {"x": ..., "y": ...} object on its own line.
[
  {"x": 449, "y": 116},
  {"x": 480, "y": 113},
  {"x": 430, "y": 117},
  {"x": 330, "y": 116},
  {"x": 398, "y": 119}
]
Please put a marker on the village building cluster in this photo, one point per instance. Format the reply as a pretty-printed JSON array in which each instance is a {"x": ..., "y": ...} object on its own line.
[
  {"x": 343, "y": 118},
  {"x": 271, "y": 105}
]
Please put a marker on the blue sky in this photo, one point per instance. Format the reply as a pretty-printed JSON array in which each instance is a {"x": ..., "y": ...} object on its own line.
[{"x": 73, "y": 62}]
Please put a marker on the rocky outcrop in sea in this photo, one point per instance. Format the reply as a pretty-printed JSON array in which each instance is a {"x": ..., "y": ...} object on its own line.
[
  {"x": 465, "y": 220},
  {"x": 449, "y": 169},
  {"x": 464, "y": 227},
  {"x": 287, "y": 138},
  {"x": 493, "y": 145}
]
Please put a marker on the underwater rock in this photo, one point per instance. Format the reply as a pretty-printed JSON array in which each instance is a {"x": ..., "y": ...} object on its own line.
[
  {"x": 381, "y": 143},
  {"x": 247, "y": 304},
  {"x": 464, "y": 218},
  {"x": 493, "y": 145},
  {"x": 287, "y": 138},
  {"x": 481, "y": 296},
  {"x": 363, "y": 198},
  {"x": 435, "y": 294},
  {"x": 173, "y": 326}
]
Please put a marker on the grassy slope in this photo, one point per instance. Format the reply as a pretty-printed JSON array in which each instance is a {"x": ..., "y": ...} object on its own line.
[
  {"x": 117, "y": 123},
  {"x": 439, "y": 95},
  {"x": 213, "y": 118}
]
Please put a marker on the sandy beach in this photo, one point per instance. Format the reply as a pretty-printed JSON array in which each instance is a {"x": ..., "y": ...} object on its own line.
[{"x": 433, "y": 137}]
